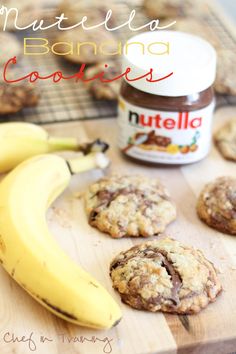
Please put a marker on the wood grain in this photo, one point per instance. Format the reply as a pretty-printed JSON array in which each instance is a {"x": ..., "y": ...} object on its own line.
[{"x": 211, "y": 331}]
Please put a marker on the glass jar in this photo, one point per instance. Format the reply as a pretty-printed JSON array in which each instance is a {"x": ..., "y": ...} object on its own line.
[{"x": 168, "y": 121}]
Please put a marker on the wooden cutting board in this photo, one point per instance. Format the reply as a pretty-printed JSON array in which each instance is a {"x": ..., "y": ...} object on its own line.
[{"x": 211, "y": 331}]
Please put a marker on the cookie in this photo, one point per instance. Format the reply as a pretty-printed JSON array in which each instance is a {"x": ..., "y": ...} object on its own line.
[
  {"x": 161, "y": 9},
  {"x": 10, "y": 47},
  {"x": 102, "y": 90},
  {"x": 14, "y": 98},
  {"x": 226, "y": 72},
  {"x": 225, "y": 140},
  {"x": 129, "y": 206},
  {"x": 217, "y": 205},
  {"x": 89, "y": 52},
  {"x": 165, "y": 275}
]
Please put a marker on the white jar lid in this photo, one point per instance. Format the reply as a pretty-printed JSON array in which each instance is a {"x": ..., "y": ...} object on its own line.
[{"x": 191, "y": 59}]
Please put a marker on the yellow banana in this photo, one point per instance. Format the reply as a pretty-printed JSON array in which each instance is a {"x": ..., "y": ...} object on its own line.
[
  {"x": 20, "y": 141},
  {"x": 29, "y": 253}
]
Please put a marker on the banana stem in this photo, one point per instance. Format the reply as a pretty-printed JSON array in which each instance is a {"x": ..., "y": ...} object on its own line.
[
  {"x": 57, "y": 144},
  {"x": 88, "y": 162}
]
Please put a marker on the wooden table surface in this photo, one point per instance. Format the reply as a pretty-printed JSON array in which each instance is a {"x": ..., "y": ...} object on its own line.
[{"x": 211, "y": 331}]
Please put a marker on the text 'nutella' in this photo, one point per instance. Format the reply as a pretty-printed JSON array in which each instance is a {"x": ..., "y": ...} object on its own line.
[{"x": 168, "y": 121}]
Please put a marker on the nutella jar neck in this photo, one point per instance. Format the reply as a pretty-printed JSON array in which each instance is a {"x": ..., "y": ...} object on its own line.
[{"x": 188, "y": 103}]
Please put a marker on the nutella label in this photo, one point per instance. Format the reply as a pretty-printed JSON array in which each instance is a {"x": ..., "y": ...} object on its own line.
[{"x": 162, "y": 136}]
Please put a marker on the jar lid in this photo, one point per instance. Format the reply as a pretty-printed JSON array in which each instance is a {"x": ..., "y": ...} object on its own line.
[{"x": 191, "y": 59}]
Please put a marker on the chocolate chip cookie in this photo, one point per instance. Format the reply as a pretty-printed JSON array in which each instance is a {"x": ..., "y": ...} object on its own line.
[
  {"x": 165, "y": 275},
  {"x": 14, "y": 98},
  {"x": 104, "y": 90},
  {"x": 129, "y": 206},
  {"x": 225, "y": 140},
  {"x": 217, "y": 205}
]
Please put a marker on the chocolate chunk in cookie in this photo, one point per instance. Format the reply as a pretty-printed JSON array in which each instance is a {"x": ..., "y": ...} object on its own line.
[
  {"x": 165, "y": 275},
  {"x": 13, "y": 98},
  {"x": 217, "y": 205},
  {"x": 129, "y": 206},
  {"x": 225, "y": 140}
]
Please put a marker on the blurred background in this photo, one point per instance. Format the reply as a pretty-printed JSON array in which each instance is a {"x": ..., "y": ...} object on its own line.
[
  {"x": 47, "y": 102},
  {"x": 230, "y": 7}
]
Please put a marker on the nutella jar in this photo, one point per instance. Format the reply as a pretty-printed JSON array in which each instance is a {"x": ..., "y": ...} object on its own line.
[{"x": 168, "y": 121}]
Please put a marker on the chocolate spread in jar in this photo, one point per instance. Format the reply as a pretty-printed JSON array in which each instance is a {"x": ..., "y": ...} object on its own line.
[
  {"x": 169, "y": 121},
  {"x": 165, "y": 103}
]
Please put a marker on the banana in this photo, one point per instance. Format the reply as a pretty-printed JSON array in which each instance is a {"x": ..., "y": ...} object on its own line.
[
  {"x": 20, "y": 141},
  {"x": 32, "y": 257}
]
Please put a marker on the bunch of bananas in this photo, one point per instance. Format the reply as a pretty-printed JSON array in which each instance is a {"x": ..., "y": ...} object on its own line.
[
  {"x": 28, "y": 251},
  {"x": 20, "y": 141}
]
